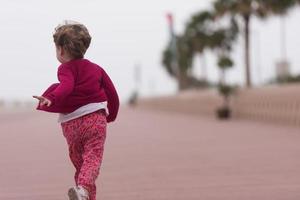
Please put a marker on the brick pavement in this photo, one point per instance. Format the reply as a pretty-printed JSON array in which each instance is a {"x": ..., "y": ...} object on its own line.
[{"x": 154, "y": 155}]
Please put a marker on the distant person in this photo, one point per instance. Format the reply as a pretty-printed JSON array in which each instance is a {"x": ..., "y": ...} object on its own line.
[{"x": 86, "y": 101}]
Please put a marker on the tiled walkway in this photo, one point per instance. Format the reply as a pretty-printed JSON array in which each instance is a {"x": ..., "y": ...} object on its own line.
[{"x": 155, "y": 156}]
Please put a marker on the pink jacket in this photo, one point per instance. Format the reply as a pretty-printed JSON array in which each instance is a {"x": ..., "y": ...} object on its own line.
[{"x": 81, "y": 82}]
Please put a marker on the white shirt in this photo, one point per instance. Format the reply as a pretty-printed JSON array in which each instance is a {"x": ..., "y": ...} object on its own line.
[{"x": 83, "y": 110}]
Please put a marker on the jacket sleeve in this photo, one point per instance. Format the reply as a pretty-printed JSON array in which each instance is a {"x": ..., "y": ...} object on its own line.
[
  {"x": 112, "y": 97},
  {"x": 49, "y": 90},
  {"x": 65, "y": 87}
]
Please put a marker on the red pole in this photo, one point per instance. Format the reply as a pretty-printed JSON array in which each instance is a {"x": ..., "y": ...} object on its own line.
[
  {"x": 174, "y": 64},
  {"x": 171, "y": 23}
]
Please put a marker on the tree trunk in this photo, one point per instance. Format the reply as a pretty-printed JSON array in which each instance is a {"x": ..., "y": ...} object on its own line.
[
  {"x": 247, "y": 50},
  {"x": 182, "y": 81}
]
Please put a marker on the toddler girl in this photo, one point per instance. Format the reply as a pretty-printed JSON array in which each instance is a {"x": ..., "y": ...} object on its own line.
[{"x": 86, "y": 100}]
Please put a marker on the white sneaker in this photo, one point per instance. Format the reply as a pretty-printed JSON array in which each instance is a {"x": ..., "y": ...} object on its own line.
[{"x": 78, "y": 193}]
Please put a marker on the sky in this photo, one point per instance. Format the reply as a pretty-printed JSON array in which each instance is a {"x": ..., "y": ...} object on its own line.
[{"x": 125, "y": 35}]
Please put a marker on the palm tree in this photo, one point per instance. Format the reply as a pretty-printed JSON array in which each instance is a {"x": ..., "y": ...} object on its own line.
[
  {"x": 204, "y": 33},
  {"x": 184, "y": 59},
  {"x": 197, "y": 31},
  {"x": 246, "y": 9},
  {"x": 201, "y": 33},
  {"x": 280, "y": 7}
]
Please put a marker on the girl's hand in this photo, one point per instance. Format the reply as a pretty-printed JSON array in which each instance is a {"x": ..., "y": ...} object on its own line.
[{"x": 43, "y": 101}]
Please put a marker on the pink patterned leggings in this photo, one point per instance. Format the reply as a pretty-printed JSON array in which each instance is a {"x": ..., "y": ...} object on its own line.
[{"x": 85, "y": 137}]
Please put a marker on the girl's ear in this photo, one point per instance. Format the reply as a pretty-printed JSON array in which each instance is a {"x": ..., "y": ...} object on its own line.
[{"x": 61, "y": 51}]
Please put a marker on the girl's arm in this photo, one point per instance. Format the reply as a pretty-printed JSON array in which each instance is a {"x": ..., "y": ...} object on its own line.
[
  {"x": 112, "y": 97},
  {"x": 64, "y": 88}
]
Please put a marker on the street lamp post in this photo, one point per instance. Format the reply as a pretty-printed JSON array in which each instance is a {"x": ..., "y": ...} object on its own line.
[{"x": 174, "y": 62}]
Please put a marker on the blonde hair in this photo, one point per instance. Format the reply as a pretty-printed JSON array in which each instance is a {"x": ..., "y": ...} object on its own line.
[{"x": 73, "y": 37}]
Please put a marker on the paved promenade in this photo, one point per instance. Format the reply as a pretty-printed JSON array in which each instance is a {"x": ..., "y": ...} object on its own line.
[{"x": 154, "y": 155}]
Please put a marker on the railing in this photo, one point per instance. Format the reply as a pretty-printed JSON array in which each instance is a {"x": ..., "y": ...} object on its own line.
[
  {"x": 197, "y": 102},
  {"x": 278, "y": 104}
]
